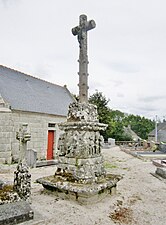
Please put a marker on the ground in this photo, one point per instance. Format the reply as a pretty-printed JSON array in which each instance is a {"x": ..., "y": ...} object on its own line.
[{"x": 140, "y": 198}]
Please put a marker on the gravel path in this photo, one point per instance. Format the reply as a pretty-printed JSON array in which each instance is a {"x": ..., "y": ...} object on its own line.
[{"x": 140, "y": 197}]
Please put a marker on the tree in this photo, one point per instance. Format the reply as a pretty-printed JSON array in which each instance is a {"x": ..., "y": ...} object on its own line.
[
  {"x": 140, "y": 125},
  {"x": 117, "y": 128},
  {"x": 101, "y": 102},
  {"x": 116, "y": 120}
]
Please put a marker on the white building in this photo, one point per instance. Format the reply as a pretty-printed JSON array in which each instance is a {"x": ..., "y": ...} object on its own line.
[{"x": 26, "y": 99}]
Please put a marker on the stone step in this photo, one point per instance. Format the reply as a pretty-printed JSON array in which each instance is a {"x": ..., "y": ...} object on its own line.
[{"x": 46, "y": 163}]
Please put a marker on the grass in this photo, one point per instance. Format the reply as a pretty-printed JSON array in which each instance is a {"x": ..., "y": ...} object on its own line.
[
  {"x": 126, "y": 168},
  {"x": 5, "y": 192},
  {"x": 108, "y": 165}
]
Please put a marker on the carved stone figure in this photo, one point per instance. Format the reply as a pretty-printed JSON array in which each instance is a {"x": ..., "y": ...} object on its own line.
[
  {"x": 82, "y": 112},
  {"x": 61, "y": 145}
]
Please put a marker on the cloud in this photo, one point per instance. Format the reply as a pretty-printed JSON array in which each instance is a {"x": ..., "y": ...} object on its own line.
[
  {"x": 8, "y": 3},
  {"x": 117, "y": 83},
  {"x": 95, "y": 85},
  {"x": 124, "y": 67},
  {"x": 147, "y": 108},
  {"x": 126, "y": 50},
  {"x": 120, "y": 95},
  {"x": 152, "y": 98}
]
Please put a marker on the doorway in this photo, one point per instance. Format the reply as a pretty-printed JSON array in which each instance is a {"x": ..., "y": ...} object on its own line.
[{"x": 50, "y": 145}]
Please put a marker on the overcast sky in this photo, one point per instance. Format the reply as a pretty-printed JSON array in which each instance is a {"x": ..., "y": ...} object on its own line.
[{"x": 126, "y": 50}]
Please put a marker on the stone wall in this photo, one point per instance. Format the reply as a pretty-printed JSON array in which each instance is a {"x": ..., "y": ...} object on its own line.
[
  {"x": 6, "y": 133},
  {"x": 38, "y": 127}
]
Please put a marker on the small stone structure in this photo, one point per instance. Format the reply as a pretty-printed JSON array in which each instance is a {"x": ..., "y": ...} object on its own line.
[
  {"x": 14, "y": 209},
  {"x": 111, "y": 142},
  {"x": 161, "y": 172},
  {"x": 22, "y": 181},
  {"x": 80, "y": 171},
  {"x": 161, "y": 168},
  {"x": 22, "y": 177},
  {"x": 31, "y": 157},
  {"x": 159, "y": 162},
  {"x": 162, "y": 147}
]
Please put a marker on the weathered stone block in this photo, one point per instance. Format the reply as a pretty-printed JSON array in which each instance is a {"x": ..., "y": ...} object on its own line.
[
  {"x": 2, "y": 160},
  {"x": 5, "y": 154},
  {"x": 31, "y": 157},
  {"x": 162, "y": 147},
  {"x": 111, "y": 141},
  {"x": 161, "y": 172},
  {"x": 14, "y": 213}
]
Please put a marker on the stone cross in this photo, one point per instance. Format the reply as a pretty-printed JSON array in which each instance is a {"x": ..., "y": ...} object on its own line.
[
  {"x": 23, "y": 136},
  {"x": 81, "y": 32}
]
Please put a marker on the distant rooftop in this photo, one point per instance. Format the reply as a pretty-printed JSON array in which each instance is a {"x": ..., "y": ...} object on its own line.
[
  {"x": 160, "y": 127},
  {"x": 27, "y": 93},
  {"x": 130, "y": 132}
]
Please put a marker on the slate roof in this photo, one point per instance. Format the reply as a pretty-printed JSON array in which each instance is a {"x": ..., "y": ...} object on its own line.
[
  {"x": 27, "y": 93},
  {"x": 160, "y": 127},
  {"x": 130, "y": 132}
]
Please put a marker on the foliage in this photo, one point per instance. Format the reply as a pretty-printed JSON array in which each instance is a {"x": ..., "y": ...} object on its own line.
[
  {"x": 117, "y": 126},
  {"x": 116, "y": 120},
  {"x": 101, "y": 102},
  {"x": 140, "y": 125},
  {"x": 5, "y": 193}
]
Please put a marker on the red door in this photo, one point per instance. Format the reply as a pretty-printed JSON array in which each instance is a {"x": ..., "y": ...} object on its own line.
[{"x": 50, "y": 145}]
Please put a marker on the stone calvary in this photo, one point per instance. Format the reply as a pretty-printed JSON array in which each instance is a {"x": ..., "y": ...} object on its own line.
[{"x": 80, "y": 172}]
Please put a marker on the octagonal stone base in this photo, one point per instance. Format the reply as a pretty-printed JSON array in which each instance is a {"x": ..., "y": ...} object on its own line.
[
  {"x": 81, "y": 192},
  {"x": 83, "y": 170}
]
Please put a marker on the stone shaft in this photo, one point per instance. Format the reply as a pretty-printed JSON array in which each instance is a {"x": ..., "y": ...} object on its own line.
[{"x": 81, "y": 32}]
